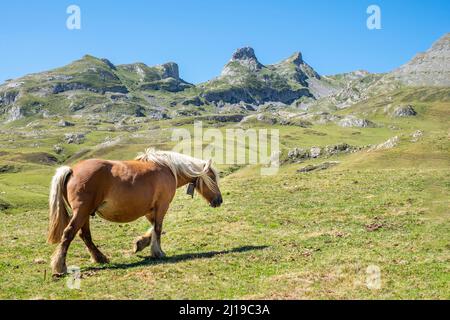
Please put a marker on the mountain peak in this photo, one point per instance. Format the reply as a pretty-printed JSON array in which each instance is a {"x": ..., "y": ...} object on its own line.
[
  {"x": 243, "y": 60},
  {"x": 296, "y": 58},
  {"x": 430, "y": 68},
  {"x": 443, "y": 41},
  {"x": 246, "y": 53},
  {"x": 170, "y": 70}
]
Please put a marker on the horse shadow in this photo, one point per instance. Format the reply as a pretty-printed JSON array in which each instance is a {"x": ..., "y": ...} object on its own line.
[{"x": 148, "y": 261}]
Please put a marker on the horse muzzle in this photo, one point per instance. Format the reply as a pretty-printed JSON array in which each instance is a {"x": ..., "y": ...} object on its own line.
[{"x": 217, "y": 201}]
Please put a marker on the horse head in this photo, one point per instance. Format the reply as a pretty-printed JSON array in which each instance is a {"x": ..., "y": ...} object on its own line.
[{"x": 208, "y": 185}]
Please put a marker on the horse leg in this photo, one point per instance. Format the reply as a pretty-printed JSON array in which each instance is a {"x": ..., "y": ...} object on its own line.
[
  {"x": 59, "y": 257},
  {"x": 144, "y": 241},
  {"x": 96, "y": 255},
  {"x": 155, "y": 243}
]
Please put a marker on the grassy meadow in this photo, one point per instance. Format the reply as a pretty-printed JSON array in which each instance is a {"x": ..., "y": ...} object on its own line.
[{"x": 288, "y": 236}]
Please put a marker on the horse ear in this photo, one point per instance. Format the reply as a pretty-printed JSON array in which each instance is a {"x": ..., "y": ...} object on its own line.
[{"x": 208, "y": 165}]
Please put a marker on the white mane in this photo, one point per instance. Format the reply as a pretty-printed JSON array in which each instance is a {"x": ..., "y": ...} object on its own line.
[{"x": 182, "y": 164}]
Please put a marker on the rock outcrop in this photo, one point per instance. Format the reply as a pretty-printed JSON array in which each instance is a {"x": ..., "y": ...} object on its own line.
[
  {"x": 388, "y": 144},
  {"x": 404, "y": 111},
  {"x": 245, "y": 79},
  {"x": 431, "y": 68},
  {"x": 352, "y": 121},
  {"x": 301, "y": 154}
]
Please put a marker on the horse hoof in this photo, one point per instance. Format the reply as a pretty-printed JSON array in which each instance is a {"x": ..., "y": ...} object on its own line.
[
  {"x": 140, "y": 244},
  {"x": 57, "y": 276},
  {"x": 59, "y": 271},
  {"x": 158, "y": 255},
  {"x": 101, "y": 260}
]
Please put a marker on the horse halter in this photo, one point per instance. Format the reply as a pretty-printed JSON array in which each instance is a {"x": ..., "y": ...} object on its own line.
[{"x": 191, "y": 187}]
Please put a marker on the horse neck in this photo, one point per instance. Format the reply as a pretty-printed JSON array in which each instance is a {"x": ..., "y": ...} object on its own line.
[{"x": 183, "y": 180}]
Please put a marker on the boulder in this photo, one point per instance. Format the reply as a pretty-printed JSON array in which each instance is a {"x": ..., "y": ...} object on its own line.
[
  {"x": 339, "y": 149},
  {"x": 63, "y": 123},
  {"x": 58, "y": 149},
  {"x": 404, "y": 111},
  {"x": 352, "y": 121},
  {"x": 389, "y": 144},
  {"x": 298, "y": 154},
  {"x": 416, "y": 135},
  {"x": 315, "y": 152},
  {"x": 77, "y": 138},
  {"x": 14, "y": 113}
]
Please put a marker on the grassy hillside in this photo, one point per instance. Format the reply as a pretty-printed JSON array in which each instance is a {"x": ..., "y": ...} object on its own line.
[{"x": 289, "y": 236}]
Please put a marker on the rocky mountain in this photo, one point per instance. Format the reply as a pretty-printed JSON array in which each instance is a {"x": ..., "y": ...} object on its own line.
[
  {"x": 431, "y": 68},
  {"x": 88, "y": 85},
  {"x": 93, "y": 86},
  {"x": 245, "y": 79},
  {"x": 139, "y": 76}
]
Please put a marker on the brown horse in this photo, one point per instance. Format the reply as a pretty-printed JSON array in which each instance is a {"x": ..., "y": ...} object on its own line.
[{"x": 122, "y": 191}]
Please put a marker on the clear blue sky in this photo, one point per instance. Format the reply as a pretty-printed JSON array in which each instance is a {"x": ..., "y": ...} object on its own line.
[{"x": 201, "y": 35}]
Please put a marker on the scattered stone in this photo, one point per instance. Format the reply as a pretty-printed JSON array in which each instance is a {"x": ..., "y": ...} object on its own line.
[
  {"x": 322, "y": 166},
  {"x": 77, "y": 138},
  {"x": 315, "y": 152},
  {"x": 404, "y": 111},
  {"x": 340, "y": 148},
  {"x": 158, "y": 115},
  {"x": 64, "y": 123},
  {"x": 266, "y": 118},
  {"x": 58, "y": 149},
  {"x": 301, "y": 154},
  {"x": 282, "y": 118},
  {"x": 416, "y": 135},
  {"x": 389, "y": 144},
  {"x": 352, "y": 121},
  {"x": 298, "y": 154}
]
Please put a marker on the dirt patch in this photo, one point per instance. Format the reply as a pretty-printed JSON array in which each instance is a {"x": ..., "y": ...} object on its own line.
[
  {"x": 4, "y": 205},
  {"x": 78, "y": 155},
  {"x": 7, "y": 168},
  {"x": 322, "y": 166},
  {"x": 37, "y": 157},
  {"x": 374, "y": 226},
  {"x": 314, "y": 132}
]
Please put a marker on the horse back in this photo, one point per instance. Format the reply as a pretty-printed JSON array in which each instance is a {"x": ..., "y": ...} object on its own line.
[{"x": 126, "y": 187}]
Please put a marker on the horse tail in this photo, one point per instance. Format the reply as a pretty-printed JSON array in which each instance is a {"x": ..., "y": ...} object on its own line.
[{"x": 59, "y": 216}]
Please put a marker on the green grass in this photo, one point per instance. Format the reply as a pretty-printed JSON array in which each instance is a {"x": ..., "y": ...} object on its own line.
[{"x": 284, "y": 237}]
